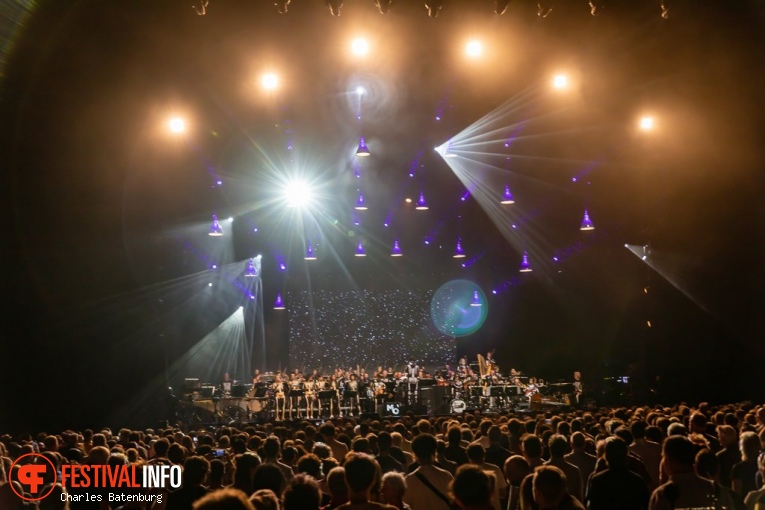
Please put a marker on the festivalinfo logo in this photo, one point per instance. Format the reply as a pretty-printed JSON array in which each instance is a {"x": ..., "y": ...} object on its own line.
[{"x": 35, "y": 473}]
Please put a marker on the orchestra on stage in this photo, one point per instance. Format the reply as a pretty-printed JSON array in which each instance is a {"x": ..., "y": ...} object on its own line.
[{"x": 320, "y": 394}]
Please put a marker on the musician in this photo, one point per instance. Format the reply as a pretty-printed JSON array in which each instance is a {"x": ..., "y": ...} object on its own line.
[
  {"x": 226, "y": 385},
  {"x": 462, "y": 367},
  {"x": 351, "y": 394},
  {"x": 532, "y": 388},
  {"x": 311, "y": 396},
  {"x": 491, "y": 364},
  {"x": 576, "y": 397}
]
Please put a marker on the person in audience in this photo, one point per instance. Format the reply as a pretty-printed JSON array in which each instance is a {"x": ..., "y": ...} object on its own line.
[
  {"x": 362, "y": 474},
  {"x": 337, "y": 487},
  {"x": 271, "y": 449},
  {"x": 549, "y": 490},
  {"x": 757, "y": 497},
  {"x": 393, "y": 490},
  {"x": 245, "y": 467},
  {"x": 647, "y": 450},
  {"x": 428, "y": 485},
  {"x": 195, "y": 471},
  {"x": 580, "y": 458},
  {"x": 744, "y": 473},
  {"x": 302, "y": 493},
  {"x": 532, "y": 450},
  {"x": 708, "y": 466},
  {"x": 328, "y": 432},
  {"x": 472, "y": 488},
  {"x": 729, "y": 454},
  {"x": 685, "y": 489},
  {"x": 558, "y": 447},
  {"x": 455, "y": 452},
  {"x": 224, "y": 499},
  {"x": 264, "y": 499},
  {"x": 617, "y": 486},
  {"x": 476, "y": 456}
]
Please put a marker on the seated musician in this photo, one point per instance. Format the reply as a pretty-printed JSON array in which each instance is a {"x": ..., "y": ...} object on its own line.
[
  {"x": 532, "y": 388},
  {"x": 226, "y": 385}
]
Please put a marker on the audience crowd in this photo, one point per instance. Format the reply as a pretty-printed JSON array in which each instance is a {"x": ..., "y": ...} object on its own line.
[{"x": 653, "y": 458}]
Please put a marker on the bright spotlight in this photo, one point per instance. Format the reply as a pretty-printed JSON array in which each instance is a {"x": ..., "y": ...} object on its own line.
[
  {"x": 269, "y": 81},
  {"x": 647, "y": 123},
  {"x": 474, "y": 49},
  {"x": 560, "y": 81},
  {"x": 361, "y": 90},
  {"x": 360, "y": 47},
  {"x": 297, "y": 194},
  {"x": 177, "y": 125}
]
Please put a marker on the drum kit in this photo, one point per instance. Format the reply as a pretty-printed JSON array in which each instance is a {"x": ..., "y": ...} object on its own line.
[{"x": 207, "y": 403}]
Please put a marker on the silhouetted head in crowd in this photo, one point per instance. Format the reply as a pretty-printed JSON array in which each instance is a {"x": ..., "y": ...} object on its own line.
[
  {"x": 472, "y": 487},
  {"x": 302, "y": 493}
]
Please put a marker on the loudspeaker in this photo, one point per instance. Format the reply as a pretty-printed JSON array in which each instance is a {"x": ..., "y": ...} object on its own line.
[{"x": 434, "y": 399}]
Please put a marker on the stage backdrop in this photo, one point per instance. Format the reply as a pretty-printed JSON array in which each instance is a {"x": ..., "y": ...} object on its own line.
[{"x": 367, "y": 328}]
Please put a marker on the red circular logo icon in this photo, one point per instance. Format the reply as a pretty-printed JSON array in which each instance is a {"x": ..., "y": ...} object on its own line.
[{"x": 31, "y": 476}]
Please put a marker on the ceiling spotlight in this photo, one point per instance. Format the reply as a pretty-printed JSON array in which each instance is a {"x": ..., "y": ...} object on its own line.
[
  {"x": 384, "y": 5},
  {"x": 176, "y": 125},
  {"x": 281, "y": 6},
  {"x": 279, "y": 303},
  {"x": 297, "y": 194},
  {"x": 476, "y": 299},
  {"x": 664, "y": 9},
  {"x": 334, "y": 6},
  {"x": 474, "y": 49},
  {"x": 560, "y": 81},
  {"x": 361, "y": 90},
  {"x": 360, "y": 47},
  {"x": 360, "y": 250},
  {"x": 647, "y": 123},
  {"x": 544, "y": 8},
  {"x": 501, "y": 6},
  {"x": 269, "y": 81},
  {"x": 434, "y": 7}
]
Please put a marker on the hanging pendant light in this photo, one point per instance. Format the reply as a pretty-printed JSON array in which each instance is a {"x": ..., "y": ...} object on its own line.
[
  {"x": 476, "y": 299},
  {"x": 215, "y": 229},
  {"x": 309, "y": 253},
  {"x": 525, "y": 266},
  {"x": 363, "y": 150},
  {"x": 250, "y": 272},
  {"x": 587, "y": 223},
  {"x": 396, "y": 251},
  {"x": 360, "y": 203},
  {"x": 279, "y": 303},
  {"x": 422, "y": 205},
  {"x": 507, "y": 197},
  {"x": 360, "y": 250},
  {"x": 459, "y": 253}
]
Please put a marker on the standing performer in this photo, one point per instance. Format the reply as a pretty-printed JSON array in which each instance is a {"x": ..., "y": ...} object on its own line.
[
  {"x": 576, "y": 398},
  {"x": 351, "y": 395},
  {"x": 311, "y": 396},
  {"x": 280, "y": 396},
  {"x": 296, "y": 393},
  {"x": 412, "y": 370}
]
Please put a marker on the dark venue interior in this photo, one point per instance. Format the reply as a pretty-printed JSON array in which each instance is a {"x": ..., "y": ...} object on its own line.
[{"x": 113, "y": 290}]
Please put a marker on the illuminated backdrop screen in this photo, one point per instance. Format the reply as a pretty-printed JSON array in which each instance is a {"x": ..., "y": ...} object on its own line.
[{"x": 367, "y": 328}]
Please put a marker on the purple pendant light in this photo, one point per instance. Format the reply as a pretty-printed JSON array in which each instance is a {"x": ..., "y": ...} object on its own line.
[
  {"x": 525, "y": 266},
  {"x": 476, "y": 299},
  {"x": 279, "y": 303},
  {"x": 422, "y": 205},
  {"x": 309, "y": 253},
  {"x": 250, "y": 272},
  {"x": 360, "y": 204},
  {"x": 507, "y": 197},
  {"x": 587, "y": 223},
  {"x": 363, "y": 150},
  {"x": 215, "y": 228},
  {"x": 360, "y": 250},
  {"x": 396, "y": 251},
  {"x": 459, "y": 253}
]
